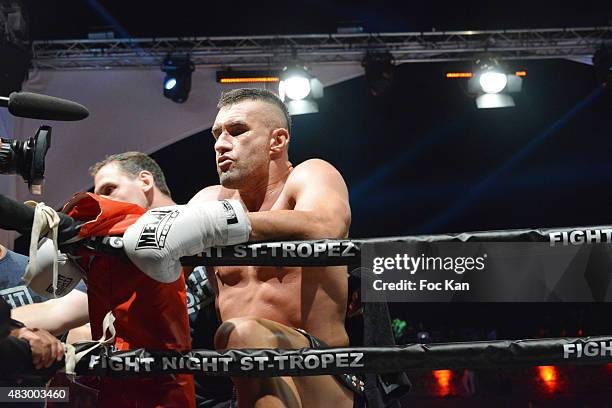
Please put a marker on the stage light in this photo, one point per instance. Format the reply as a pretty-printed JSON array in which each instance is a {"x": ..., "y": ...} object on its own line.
[
  {"x": 493, "y": 82},
  {"x": 492, "y": 85},
  {"x": 459, "y": 74},
  {"x": 423, "y": 337},
  {"x": 379, "y": 72},
  {"x": 548, "y": 376},
  {"x": 299, "y": 90},
  {"x": 294, "y": 84},
  {"x": 177, "y": 83},
  {"x": 494, "y": 100},
  {"x": 170, "y": 83},
  {"x": 443, "y": 380},
  {"x": 247, "y": 77}
]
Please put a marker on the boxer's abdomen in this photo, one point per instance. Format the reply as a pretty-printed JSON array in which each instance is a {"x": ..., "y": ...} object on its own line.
[{"x": 313, "y": 299}]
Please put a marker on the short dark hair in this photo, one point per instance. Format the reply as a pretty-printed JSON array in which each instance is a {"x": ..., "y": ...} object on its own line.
[
  {"x": 255, "y": 94},
  {"x": 133, "y": 163}
]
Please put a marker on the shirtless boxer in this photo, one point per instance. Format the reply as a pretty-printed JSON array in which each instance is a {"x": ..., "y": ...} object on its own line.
[
  {"x": 264, "y": 307},
  {"x": 278, "y": 307}
]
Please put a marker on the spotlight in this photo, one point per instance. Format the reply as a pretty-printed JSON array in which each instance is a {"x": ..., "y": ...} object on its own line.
[
  {"x": 169, "y": 83},
  {"x": 493, "y": 82},
  {"x": 247, "y": 77},
  {"x": 299, "y": 90},
  {"x": 491, "y": 85},
  {"x": 494, "y": 100},
  {"x": 296, "y": 88},
  {"x": 379, "y": 72},
  {"x": 177, "y": 83}
]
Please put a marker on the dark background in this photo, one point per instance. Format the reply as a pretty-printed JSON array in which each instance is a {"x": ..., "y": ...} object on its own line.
[
  {"x": 425, "y": 160},
  {"x": 422, "y": 159},
  {"x": 59, "y": 19}
]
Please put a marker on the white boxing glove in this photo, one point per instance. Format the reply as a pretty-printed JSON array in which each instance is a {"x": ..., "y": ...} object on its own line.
[
  {"x": 157, "y": 240},
  {"x": 40, "y": 278}
]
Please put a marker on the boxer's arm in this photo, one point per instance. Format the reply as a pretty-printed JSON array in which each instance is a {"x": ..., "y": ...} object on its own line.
[
  {"x": 210, "y": 193},
  {"x": 321, "y": 207},
  {"x": 157, "y": 240},
  {"x": 321, "y": 210},
  {"x": 56, "y": 316}
]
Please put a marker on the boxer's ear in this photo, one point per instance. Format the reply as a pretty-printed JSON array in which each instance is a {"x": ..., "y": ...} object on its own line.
[
  {"x": 147, "y": 181},
  {"x": 279, "y": 142}
]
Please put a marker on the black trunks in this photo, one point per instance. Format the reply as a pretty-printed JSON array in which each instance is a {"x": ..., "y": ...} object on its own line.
[{"x": 351, "y": 381}]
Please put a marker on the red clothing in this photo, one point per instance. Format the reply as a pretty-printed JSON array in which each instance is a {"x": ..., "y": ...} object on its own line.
[{"x": 148, "y": 314}]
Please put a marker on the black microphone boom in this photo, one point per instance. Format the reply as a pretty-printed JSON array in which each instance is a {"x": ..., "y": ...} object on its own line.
[{"x": 35, "y": 106}]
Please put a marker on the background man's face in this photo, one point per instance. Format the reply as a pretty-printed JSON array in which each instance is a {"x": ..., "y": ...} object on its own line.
[
  {"x": 111, "y": 182},
  {"x": 242, "y": 143}
]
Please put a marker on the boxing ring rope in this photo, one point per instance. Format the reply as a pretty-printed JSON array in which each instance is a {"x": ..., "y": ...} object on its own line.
[
  {"x": 331, "y": 252},
  {"x": 388, "y": 359},
  {"x": 274, "y": 362},
  {"x": 381, "y": 360}
]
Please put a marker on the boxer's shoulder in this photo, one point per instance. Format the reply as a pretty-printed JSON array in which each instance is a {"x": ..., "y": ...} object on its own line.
[
  {"x": 213, "y": 193},
  {"x": 314, "y": 165},
  {"x": 314, "y": 172}
]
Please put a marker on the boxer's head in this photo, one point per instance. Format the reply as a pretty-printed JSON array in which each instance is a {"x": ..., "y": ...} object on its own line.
[
  {"x": 251, "y": 132},
  {"x": 131, "y": 177}
]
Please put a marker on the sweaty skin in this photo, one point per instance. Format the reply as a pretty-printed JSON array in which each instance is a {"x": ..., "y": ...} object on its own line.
[
  {"x": 259, "y": 306},
  {"x": 311, "y": 298}
]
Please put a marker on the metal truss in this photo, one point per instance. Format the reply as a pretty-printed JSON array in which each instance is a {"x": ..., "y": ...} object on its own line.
[{"x": 275, "y": 51}]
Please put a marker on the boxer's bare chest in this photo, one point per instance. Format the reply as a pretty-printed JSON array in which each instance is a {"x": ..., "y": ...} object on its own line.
[
  {"x": 312, "y": 298},
  {"x": 241, "y": 276}
]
